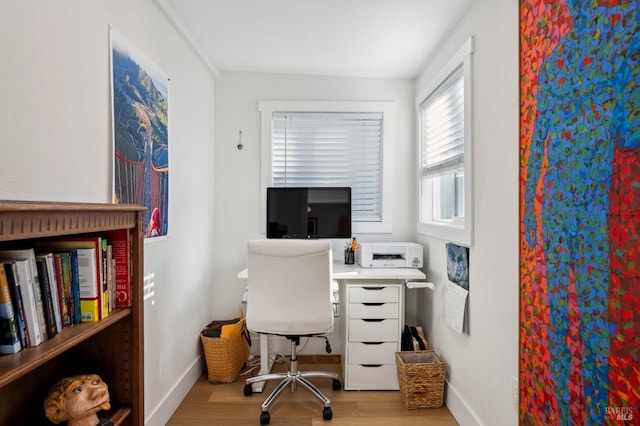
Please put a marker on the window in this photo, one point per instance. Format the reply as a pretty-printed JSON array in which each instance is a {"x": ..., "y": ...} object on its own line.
[
  {"x": 442, "y": 154},
  {"x": 331, "y": 144},
  {"x": 445, "y": 155}
]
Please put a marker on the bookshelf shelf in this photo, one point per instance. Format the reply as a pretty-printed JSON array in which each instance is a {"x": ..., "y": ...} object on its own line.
[
  {"x": 15, "y": 366},
  {"x": 111, "y": 347}
]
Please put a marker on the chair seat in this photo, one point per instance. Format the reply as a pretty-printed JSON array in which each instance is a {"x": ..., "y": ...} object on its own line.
[{"x": 284, "y": 329}]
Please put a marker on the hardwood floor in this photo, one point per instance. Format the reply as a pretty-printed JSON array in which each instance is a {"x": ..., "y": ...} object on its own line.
[{"x": 225, "y": 404}]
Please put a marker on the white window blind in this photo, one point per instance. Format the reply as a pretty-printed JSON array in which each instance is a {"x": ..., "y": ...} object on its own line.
[
  {"x": 331, "y": 149},
  {"x": 442, "y": 126}
]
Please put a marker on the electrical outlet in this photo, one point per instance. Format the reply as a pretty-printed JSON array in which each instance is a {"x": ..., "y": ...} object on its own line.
[{"x": 515, "y": 394}]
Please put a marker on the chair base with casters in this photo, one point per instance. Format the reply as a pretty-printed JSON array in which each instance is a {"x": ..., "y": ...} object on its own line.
[{"x": 292, "y": 378}]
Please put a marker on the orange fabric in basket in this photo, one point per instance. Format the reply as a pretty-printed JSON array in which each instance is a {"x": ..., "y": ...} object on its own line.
[{"x": 229, "y": 330}]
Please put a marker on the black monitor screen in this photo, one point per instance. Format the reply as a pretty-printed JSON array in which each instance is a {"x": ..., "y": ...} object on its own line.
[{"x": 309, "y": 212}]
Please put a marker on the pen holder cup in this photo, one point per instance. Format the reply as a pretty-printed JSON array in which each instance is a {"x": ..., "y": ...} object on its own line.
[{"x": 349, "y": 257}]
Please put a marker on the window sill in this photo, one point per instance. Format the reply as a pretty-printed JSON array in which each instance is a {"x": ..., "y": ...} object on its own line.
[{"x": 456, "y": 233}]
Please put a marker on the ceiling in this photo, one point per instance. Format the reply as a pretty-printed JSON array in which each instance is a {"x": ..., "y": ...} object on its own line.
[{"x": 359, "y": 38}]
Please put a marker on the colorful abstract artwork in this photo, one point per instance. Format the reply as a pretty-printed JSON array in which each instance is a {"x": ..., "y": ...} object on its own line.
[{"x": 580, "y": 212}]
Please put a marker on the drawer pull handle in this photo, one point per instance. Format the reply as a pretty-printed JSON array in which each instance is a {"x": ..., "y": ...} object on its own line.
[
  {"x": 371, "y": 365},
  {"x": 373, "y": 320},
  {"x": 373, "y": 288},
  {"x": 373, "y": 343},
  {"x": 373, "y": 304}
]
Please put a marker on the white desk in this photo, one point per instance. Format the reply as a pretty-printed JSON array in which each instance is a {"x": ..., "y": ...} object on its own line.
[
  {"x": 341, "y": 272},
  {"x": 355, "y": 272}
]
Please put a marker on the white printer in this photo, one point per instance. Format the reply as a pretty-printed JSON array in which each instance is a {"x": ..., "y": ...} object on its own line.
[{"x": 389, "y": 255}]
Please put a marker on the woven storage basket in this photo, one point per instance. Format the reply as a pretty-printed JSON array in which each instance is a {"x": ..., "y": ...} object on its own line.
[
  {"x": 225, "y": 356},
  {"x": 421, "y": 379}
]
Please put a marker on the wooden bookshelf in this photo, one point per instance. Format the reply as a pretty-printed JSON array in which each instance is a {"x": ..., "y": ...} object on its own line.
[{"x": 111, "y": 348}]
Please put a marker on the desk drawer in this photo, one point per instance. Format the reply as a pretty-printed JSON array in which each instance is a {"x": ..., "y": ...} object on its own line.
[
  {"x": 385, "y": 330},
  {"x": 373, "y": 294},
  {"x": 372, "y": 377},
  {"x": 374, "y": 310},
  {"x": 372, "y": 353}
]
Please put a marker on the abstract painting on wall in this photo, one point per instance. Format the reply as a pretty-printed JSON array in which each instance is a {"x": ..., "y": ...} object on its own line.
[
  {"x": 140, "y": 135},
  {"x": 580, "y": 212}
]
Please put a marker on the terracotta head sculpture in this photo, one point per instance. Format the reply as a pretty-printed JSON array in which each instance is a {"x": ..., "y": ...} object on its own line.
[{"x": 77, "y": 399}]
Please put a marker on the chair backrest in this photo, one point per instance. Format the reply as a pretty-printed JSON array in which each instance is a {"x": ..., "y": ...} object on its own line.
[{"x": 289, "y": 286}]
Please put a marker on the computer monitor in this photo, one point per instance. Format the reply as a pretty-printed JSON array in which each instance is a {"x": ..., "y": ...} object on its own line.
[{"x": 309, "y": 212}]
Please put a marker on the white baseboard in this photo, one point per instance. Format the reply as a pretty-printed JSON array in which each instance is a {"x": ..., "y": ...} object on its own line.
[
  {"x": 459, "y": 409},
  {"x": 161, "y": 414}
]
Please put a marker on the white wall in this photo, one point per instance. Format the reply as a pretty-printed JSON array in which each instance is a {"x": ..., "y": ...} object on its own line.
[
  {"x": 482, "y": 364},
  {"x": 238, "y": 213},
  {"x": 55, "y": 139}
]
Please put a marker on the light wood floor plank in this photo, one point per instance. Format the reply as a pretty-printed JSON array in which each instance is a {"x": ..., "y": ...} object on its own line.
[{"x": 225, "y": 404}]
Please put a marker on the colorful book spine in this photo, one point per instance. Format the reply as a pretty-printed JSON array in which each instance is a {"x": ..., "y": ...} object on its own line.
[
  {"x": 75, "y": 286},
  {"x": 23, "y": 280},
  {"x": 121, "y": 253},
  {"x": 90, "y": 287},
  {"x": 32, "y": 281},
  {"x": 111, "y": 277},
  {"x": 9, "y": 335},
  {"x": 63, "y": 273},
  {"x": 18, "y": 305},
  {"x": 55, "y": 289},
  {"x": 89, "y": 310},
  {"x": 104, "y": 278}
]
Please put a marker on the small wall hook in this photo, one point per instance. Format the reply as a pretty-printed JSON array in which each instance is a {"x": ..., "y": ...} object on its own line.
[{"x": 239, "y": 146}]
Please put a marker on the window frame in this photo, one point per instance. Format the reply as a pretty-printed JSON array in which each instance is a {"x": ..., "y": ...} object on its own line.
[
  {"x": 458, "y": 230},
  {"x": 388, "y": 110}
]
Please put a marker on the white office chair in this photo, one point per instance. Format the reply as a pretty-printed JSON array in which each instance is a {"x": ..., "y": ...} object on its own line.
[{"x": 289, "y": 294}]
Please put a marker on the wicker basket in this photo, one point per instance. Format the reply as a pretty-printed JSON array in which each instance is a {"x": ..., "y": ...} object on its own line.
[
  {"x": 421, "y": 379},
  {"x": 225, "y": 357}
]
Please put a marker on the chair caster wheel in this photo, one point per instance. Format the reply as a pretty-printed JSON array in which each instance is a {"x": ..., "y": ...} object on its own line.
[
  {"x": 327, "y": 414},
  {"x": 248, "y": 390},
  {"x": 336, "y": 384},
  {"x": 265, "y": 418}
]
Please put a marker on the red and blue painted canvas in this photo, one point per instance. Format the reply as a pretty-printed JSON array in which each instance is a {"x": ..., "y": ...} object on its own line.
[{"x": 580, "y": 212}]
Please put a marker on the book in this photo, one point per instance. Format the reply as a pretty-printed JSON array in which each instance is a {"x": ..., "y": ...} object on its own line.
[
  {"x": 104, "y": 246},
  {"x": 91, "y": 286},
  {"x": 21, "y": 273},
  {"x": 9, "y": 336},
  {"x": 48, "y": 299},
  {"x": 122, "y": 247},
  {"x": 111, "y": 264},
  {"x": 62, "y": 308},
  {"x": 63, "y": 275},
  {"x": 75, "y": 287},
  {"x": 18, "y": 306},
  {"x": 55, "y": 289},
  {"x": 29, "y": 270}
]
